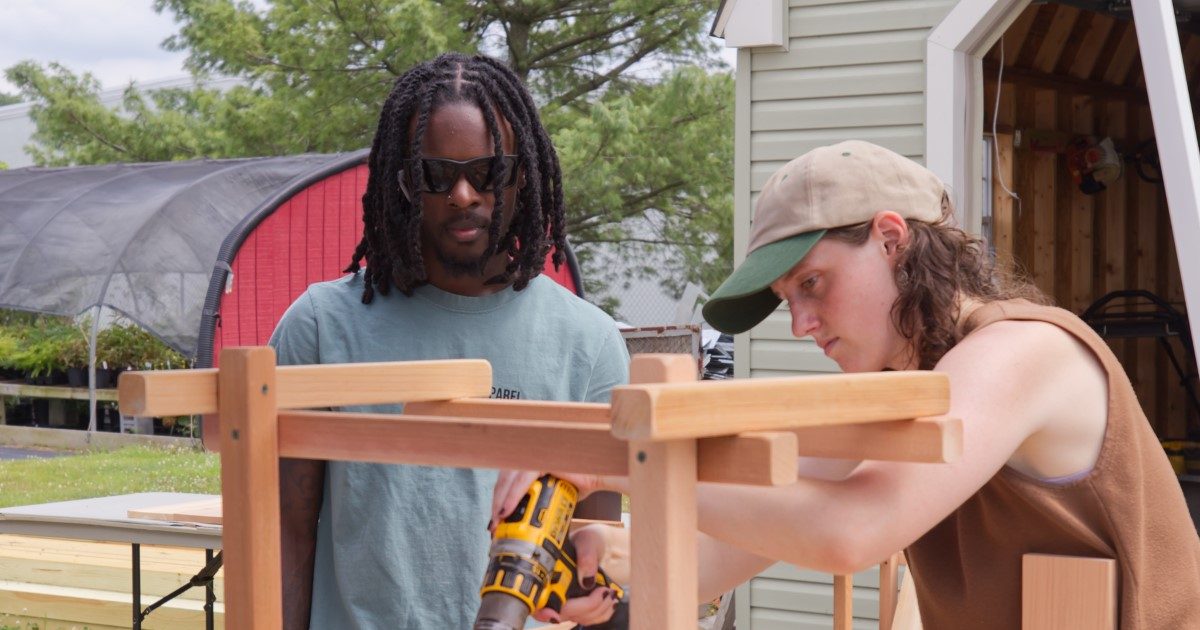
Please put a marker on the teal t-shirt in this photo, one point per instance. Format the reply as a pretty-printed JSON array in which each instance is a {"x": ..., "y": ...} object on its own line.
[{"x": 405, "y": 547}]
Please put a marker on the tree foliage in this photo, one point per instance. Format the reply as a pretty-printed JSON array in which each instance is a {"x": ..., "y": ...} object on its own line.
[{"x": 640, "y": 110}]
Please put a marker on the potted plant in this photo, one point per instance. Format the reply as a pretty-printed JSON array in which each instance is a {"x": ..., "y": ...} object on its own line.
[
  {"x": 128, "y": 346},
  {"x": 39, "y": 350},
  {"x": 73, "y": 353},
  {"x": 9, "y": 345}
]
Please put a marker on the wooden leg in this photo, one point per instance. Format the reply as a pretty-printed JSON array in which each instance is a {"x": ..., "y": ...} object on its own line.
[
  {"x": 843, "y": 602},
  {"x": 908, "y": 614},
  {"x": 888, "y": 572},
  {"x": 250, "y": 488},
  {"x": 662, "y": 502},
  {"x": 662, "y": 479}
]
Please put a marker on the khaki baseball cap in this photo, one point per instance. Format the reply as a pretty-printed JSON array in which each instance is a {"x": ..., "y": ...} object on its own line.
[{"x": 829, "y": 187}]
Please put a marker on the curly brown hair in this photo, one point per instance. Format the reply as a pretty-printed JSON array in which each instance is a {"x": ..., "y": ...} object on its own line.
[{"x": 938, "y": 267}]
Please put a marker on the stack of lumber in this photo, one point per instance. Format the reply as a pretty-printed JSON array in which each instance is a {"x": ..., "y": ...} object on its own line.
[{"x": 69, "y": 584}]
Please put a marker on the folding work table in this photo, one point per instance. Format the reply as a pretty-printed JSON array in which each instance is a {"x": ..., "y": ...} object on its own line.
[{"x": 107, "y": 519}]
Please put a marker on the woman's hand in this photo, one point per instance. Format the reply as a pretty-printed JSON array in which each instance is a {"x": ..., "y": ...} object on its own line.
[
  {"x": 592, "y": 609},
  {"x": 597, "y": 606},
  {"x": 513, "y": 484}
]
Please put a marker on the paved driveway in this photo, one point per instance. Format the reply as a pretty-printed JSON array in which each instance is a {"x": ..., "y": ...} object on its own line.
[{"x": 10, "y": 452}]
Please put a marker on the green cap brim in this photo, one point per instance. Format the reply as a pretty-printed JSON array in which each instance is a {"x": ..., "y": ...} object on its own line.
[{"x": 745, "y": 298}]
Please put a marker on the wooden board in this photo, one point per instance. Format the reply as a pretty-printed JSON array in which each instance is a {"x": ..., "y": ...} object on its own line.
[
  {"x": 183, "y": 392},
  {"x": 700, "y": 409},
  {"x": 1068, "y": 593},
  {"x": 585, "y": 447},
  {"x": 207, "y": 511}
]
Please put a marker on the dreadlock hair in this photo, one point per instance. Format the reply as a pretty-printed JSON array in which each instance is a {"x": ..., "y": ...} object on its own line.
[{"x": 391, "y": 241}]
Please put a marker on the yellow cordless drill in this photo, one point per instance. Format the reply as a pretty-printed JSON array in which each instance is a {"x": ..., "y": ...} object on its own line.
[{"x": 532, "y": 562}]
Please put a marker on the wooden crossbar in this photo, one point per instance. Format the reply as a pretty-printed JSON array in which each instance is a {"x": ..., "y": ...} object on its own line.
[
  {"x": 184, "y": 392},
  {"x": 702, "y": 409},
  {"x": 596, "y": 413},
  {"x": 753, "y": 458},
  {"x": 926, "y": 440},
  {"x": 929, "y": 440}
]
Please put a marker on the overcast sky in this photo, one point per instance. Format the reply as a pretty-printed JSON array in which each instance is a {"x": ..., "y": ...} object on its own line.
[{"x": 115, "y": 40}]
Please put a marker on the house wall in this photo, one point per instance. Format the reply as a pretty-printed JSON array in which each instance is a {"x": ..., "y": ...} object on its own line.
[{"x": 852, "y": 70}]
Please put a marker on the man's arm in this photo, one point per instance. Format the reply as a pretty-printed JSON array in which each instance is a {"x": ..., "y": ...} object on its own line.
[
  {"x": 301, "y": 489},
  {"x": 301, "y": 481}
]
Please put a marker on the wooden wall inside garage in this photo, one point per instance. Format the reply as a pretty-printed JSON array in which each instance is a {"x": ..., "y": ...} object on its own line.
[{"x": 1068, "y": 70}]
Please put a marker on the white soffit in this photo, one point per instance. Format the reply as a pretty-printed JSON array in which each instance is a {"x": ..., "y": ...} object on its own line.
[{"x": 752, "y": 23}]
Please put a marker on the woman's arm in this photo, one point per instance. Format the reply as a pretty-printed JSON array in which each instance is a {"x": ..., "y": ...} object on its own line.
[{"x": 1008, "y": 381}]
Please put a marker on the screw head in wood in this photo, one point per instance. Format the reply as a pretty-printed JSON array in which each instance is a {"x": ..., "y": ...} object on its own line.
[
  {"x": 641, "y": 456},
  {"x": 235, "y": 434}
]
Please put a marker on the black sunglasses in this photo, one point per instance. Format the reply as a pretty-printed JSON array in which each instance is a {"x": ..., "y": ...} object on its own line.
[{"x": 482, "y": 172}]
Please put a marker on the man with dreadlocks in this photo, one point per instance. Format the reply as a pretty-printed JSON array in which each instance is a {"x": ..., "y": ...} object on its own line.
[{"x": 463, "y": 203}]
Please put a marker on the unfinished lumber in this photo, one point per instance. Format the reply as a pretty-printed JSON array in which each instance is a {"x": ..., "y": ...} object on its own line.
[
  {"x": 1068, "y": 593},
  {"x": 908, "y": 613},
  {"x": 250, "y": 488},
  {"x": 692, "y": 410},
  {"x": 597, "y": 413},
  {"x": 183, "y": 392},
  {"x": 102, "y": 566},
  {"x": 662, "y": 499},
  {"x": 843, "y": 602},
  {"x": 889, "y": 574},
  {"x": 40, "y": 606},
  {"x": 752, "y": 459},
  {"x": 207, "y": 511},
  {"x": 925, "y": 440}
]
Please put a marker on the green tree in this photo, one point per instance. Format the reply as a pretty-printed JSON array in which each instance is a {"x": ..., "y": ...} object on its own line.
[
  {"x": 7, "y": 99},
  {"x": 632, "y": 92}
]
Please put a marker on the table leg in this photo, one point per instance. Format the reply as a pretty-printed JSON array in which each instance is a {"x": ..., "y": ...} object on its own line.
[
  {"x": 137, "y": 586},
  {"x": 209, "y": 595}
]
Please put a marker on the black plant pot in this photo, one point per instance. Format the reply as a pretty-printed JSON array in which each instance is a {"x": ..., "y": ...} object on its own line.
[
  {"x": 21, "y": 413},
  {"x": 104, "y": 378},
  {"x": 77, "y": 377}
]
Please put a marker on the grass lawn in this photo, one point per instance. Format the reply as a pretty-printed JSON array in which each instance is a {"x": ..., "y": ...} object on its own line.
[{"x": 100, "y": 474}]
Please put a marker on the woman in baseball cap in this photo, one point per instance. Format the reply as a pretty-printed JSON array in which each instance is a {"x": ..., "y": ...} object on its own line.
[{"x": 1058, "y": 458}]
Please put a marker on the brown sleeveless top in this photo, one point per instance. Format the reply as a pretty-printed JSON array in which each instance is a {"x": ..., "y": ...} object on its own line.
[{"x": 967, "y": 569}]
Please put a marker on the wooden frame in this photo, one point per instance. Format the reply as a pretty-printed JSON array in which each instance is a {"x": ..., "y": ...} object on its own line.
[{"x": 665, "y": 458}]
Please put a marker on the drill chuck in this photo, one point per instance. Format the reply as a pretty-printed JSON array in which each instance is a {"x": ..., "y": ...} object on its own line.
[{"x": 499, "y": 611}]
